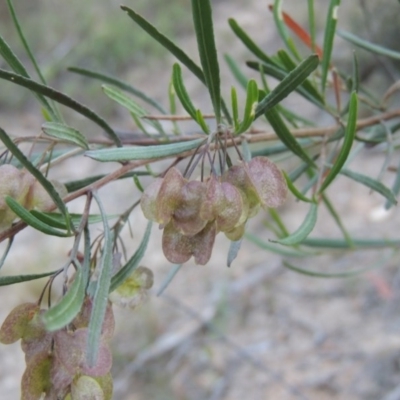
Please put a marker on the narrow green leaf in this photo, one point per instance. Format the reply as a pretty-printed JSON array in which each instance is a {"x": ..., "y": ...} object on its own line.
[
  {"x": 171, "y": 275},
  {"x": 316, "y": 274},
  {"x": 275, "y": 248},
  {"x": 364, "y": 244},
  {"x": 49, "y": 220},
  {"x": 16, "y": 65},
  {"x": 250, "y": 107},
  {"x": 181, "y": 91},
  {"x": 11, "y": 280},
  {"x": 138, "y": 184},
  {"x": 311, "y": 23},
  {"x": 290, "y": 65},
  {"x": 133, "y": 262},
  {"x": 286, "y": 136},
  {"x": 288, "y": 84},
  {"x": 135, "y": 109},
  {"x": 143, "y": 153},
  {"x": 204, "y": 28},
  {"x": 329, "y": 35},
  {"x": 47, "y": 185},
  {"x": 235, "y": 109},
  {"x": 201, "y": 121},
  {"x": 61, "y": 98},
  {"x": 248, "y": 42},
  {"x": 69, "y": 306},
  {"x": 296, "y": 193},
  {"x": 31, "y": 220},
  {"x": 174, "y": 50},
  {"x": 366, "y": 45},
  {"x": 280, "y": 74},
  {"x": 373, "y": 184},
  {"x": 64, "y": 132},
  {"x": 100, "y": 298},
  {"x": 349, "y": 136},
  {"x": 304, "y": 230},
  {"x": 236, "y": 72},
  {"x": 119, "y": 84}
]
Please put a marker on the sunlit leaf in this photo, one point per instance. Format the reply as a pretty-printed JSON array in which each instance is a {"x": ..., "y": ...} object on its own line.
[
  {"x": 32, "y": 221},
  {"x": 69, "y": 306},
  {"x": 295, "y": 78},
  {"x": 143, "y": 153},
  {"x": 66, "y": 133}
]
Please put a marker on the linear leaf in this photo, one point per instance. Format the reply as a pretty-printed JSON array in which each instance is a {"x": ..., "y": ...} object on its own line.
[
  {"x": 304, "y": 230},
  {"x": 284, "y": 134},
  {"x": 65, "y": 132},
  {"x": 365, "y": 244},
  {"x": 171, "y": 275},
  {"x": 349, "y": 136},
  {"x": 373, "y": 48},
  {"x": 62, "y": 99},
  {"x": 280, "y": 74},
  {"x": 236, "y": 72},
  {"x": 47, "y": 185},
  {"x": 290, "y": 65},
  {"x": 275, "y": 248},
  {"x": 11, "y": 280},
  {"x": 143, "y": 153},
  {"x": 316, "y": 274},
  {"x": 174, "y": 50},
  {"x": 133, "y": 262},
  {"x": 69, "y": 306},
  {"x": 248, "y": 42},
  {"x": 373, "y": 184},
  {"x": 296, "y": 193},
  {"x": 100, "y": 298},
  {"x": 125, "y": 101},
  {"x": 181, "y": 91},
  {"x": 31, "y": 220},
  {"x": 288, "y": 84},
  {"x": 204, "y": 28},
  {"x": 250, "y": 107},
  {"x": 329, "y": 35},
  {"x": 119, "y": 84}
]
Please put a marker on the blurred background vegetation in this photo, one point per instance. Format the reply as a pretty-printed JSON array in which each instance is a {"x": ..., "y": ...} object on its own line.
[{"x": 94, "y": 34}]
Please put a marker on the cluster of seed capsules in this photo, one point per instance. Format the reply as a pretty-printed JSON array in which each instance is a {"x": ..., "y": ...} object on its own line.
[
  {"x": 193, "y": 212},
  {"x": 56, "y": 361}
]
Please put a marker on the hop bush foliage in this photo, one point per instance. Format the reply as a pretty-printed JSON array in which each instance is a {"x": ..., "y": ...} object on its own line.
[{"x": 216, "y": 180}]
